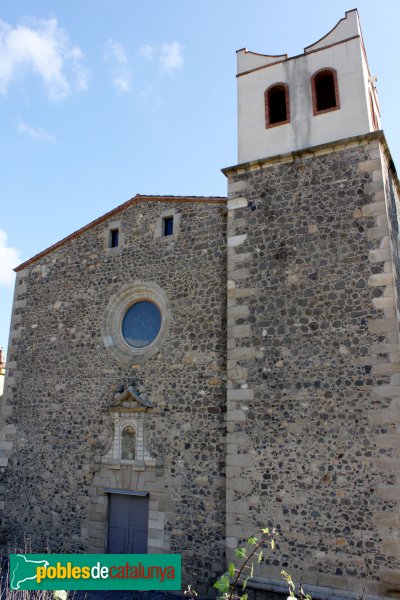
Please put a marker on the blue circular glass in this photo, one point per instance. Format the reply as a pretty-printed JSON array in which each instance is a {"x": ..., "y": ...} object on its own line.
[{"x": 141, "y": 324}]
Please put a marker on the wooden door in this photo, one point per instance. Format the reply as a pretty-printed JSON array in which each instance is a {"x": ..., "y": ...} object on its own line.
[{"x": 128, "y": 519}]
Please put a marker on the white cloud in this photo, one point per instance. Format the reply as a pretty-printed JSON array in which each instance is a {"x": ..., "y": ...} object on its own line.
[
  {"x": 36, "y": 133},
  {"x": 115, "y": 56},
  {"x": 147, "y": 52},
  {"x": 41, "y": 47},
  {"x": 9, "y": 258},
  {"x": 122, "y": 83},
  {"x": 171, "y": 57}
]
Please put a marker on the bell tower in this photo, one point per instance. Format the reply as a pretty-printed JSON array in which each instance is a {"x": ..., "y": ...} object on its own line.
[
  {"x": 320, "y": 96},
  {"x": 313, "y": 401}
]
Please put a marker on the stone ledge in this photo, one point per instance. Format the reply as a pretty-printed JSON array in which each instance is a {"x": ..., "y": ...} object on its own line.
[
  {"x": 320, "y": 150},
  {"x": 323, "y": 592}
]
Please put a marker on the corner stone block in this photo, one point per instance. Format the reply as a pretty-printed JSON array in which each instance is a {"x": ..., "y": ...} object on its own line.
[
  {"x": 154, "y": 543},
  {"x": 245, "y": 256},
  {"x": 380, "y": 255},
  {"x": 384, "y": 302},
  {"x": 373, "y": 186},
  {"x": 387, "y": 440},
  {"x": 380, "y": 279},
  {"x": 386, "y": 368},
  {"x": 235, "y": 416},
  {"x": 237, "y": 203},
  {"x": 384, "y": 416},
  {"x": 377, "y": 233},
  {"x": 370, "y": 165},
  {"x": 386, "y": 520},
  {"x": 239, "y": 274},
  {"x": 388, "y": 492},
  {"x": 237, "y": 186},
  {"x": 236, "y": 240},
  {"x": 390, "y": 575},
  {"x": 241, "y": 354},
  {"x": 239, "y": 331},
  {"x": 240, "y": 394},
  {"x": 382, "y": 325},
  {"x": 373, "y": 209},
  {"x": 386, "y": 391},
  {"x": 239, "y": 310}
]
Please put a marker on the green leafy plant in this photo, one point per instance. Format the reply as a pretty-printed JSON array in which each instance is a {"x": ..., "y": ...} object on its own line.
[
  {"x": 229, "y": 584},
  {"x": 292, "y": 588}
]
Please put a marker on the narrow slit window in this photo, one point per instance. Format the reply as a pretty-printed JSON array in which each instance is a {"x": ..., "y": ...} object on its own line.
[
  {"x": 277, "y": 105},
  {"x": 168, "y": 226},
  {"x": 114, "y": 238},
  {"x": 325, "y": 91}
]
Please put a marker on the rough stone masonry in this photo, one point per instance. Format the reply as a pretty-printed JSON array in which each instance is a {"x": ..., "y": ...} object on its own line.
[
  {"x": 313, "y": 364},
  {"x": 62, "y": 379}
]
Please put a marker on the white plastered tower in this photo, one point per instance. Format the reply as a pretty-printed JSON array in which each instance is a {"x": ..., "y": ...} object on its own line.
[{"x": 341, "y": 50}]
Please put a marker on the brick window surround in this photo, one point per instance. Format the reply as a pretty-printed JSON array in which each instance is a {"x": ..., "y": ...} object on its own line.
[
  {"x": 317, "y": 75},
  {"x": 276, "y": 87}
]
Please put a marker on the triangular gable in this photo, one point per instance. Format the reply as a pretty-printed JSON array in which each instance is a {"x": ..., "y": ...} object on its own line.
[{"x": 115, "y": 211}]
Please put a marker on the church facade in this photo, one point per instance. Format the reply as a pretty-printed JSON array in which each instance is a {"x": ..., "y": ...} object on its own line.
[{"x": 186, "y": 370}]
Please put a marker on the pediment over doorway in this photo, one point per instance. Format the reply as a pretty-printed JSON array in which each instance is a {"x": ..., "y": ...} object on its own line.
[{"x": 130, "y": 399}]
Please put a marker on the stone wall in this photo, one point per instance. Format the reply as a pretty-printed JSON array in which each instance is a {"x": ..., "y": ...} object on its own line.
[
  {"x": 62, "y": 379},
  {"x": 313, "y": 367},
  {"x": 309, "y": 441}
]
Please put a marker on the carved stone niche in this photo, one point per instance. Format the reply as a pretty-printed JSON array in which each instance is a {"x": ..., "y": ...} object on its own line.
[{"x": 127, "y": 446}]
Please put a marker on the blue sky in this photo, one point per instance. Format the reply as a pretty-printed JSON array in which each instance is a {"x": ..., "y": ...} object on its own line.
[{"x": 101, "y": 100}]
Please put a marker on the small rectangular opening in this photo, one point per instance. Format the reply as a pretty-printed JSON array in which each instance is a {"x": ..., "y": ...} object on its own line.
[
  {"x": 168, "y": 226},
  {"x": 114, "y": 234}
]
